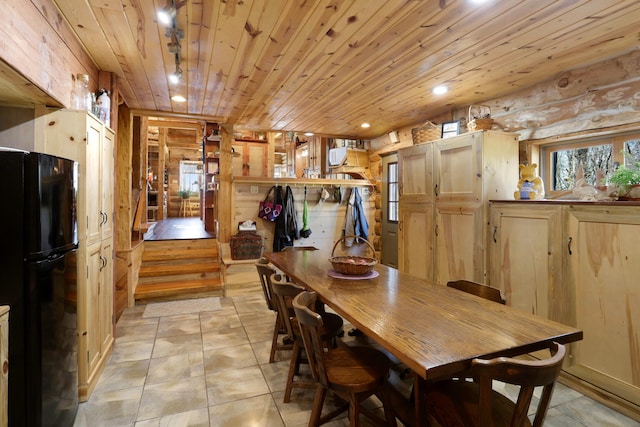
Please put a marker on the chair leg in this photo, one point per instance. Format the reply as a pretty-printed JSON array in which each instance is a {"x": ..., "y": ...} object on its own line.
[
  {"x": 274, "y": 340},
  {"x": 293, "y": 364},
  {"x": 318, "y": 403},
  {"x": 354, "y": 411}
]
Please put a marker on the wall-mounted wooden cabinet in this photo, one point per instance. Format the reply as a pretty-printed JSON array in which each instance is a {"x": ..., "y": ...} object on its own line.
[{"x": 252, "y": 159}]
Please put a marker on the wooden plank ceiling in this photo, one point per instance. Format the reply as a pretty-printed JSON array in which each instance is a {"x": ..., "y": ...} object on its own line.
[{"x": 327, "y": 66}]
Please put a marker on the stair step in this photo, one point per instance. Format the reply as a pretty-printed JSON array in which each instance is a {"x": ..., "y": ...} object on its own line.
[
  {"x": 156, "y": 254},
  {"x": 197, "y": 275},
  {"x": 162, "y": 269},
  {"x": 174, "y": 245},
  {"x": 181, "y": 287}
]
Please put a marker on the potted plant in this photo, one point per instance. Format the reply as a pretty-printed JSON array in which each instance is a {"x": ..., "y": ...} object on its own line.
[
  {"x": 184, "y": 194},
  {"x": 627, "y": 181}
]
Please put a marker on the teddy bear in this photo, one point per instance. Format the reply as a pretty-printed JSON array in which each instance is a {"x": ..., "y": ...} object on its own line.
[{"x": 530, "y": 186}]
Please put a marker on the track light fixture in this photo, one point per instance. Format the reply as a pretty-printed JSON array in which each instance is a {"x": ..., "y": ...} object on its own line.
[
  {"x": 167, "y": 16},
  {"x": 175, "y": 77},
  {"x": 167, "y": 13}
]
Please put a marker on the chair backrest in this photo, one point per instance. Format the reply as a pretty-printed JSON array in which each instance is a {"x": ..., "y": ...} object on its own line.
[
  {"x": 284, "y": 292},
  {"x": 525, "y": 373},
  {"x": 310, "y": 323},
  {"x": 265, "y": 270},
  {"x": 478, "y": 289}
]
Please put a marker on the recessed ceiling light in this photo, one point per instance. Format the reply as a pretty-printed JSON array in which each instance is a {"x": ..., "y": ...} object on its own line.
[
  {"x": 440, "y": 90},
  {"x": 308, "y": 134},
  {"x": 178, "y": 98},
  {"x": 365, "y": 125}
]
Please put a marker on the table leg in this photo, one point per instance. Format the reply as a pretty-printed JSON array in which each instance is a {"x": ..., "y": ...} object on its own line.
[{"x": 419, "y": 392}]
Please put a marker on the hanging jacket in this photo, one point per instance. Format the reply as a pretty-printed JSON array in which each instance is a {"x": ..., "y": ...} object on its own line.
[
  {"x": 360, "y": 218},
  {"x": 350, "y": 223},
  {"x": 286, "y": 229},
  {"x": 356, "y": 222}
]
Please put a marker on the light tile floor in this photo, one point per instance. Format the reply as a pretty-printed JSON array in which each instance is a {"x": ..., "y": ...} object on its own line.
[{"x": 211, "y": 369}]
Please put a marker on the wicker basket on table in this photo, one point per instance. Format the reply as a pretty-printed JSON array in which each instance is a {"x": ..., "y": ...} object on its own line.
[{"x": 352, "y": 265}]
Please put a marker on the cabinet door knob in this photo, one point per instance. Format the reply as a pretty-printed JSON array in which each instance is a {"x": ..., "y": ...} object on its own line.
[{"x": 569, "y": 240}]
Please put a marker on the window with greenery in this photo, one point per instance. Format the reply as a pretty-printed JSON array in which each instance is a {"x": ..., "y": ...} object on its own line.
[
  {"x": 601, "y": 156},
  {"x": 190, "y": 176},
  {"x": 392, "y": 192}
]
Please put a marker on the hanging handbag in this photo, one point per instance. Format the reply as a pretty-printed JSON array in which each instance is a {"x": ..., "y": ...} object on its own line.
[{"x": 269, "y": 210}]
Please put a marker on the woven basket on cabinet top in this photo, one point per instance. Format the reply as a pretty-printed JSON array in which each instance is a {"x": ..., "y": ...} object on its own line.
[{"x": 425, "y": 133}]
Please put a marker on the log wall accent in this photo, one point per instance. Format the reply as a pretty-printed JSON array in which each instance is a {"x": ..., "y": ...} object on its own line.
[{"x": 600, "y": 96}]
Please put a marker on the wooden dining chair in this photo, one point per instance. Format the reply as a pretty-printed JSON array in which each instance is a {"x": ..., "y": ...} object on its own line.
[
  {"x": 265, "y": 271},
  {"x": 476, "y": 404},
  {"x": 352, "y": 373},
  {"x": 284, "y": 292},
  {"x": 478, "y": 289}
]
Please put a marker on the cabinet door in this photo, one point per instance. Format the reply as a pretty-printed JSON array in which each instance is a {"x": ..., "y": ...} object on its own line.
[
  {"x": 415, "y": 169},
  {"x": 107, "y": 183},
  {"x": 318, "y": 156},
  {"x": 92, "y": 171},
  {"x": 459, "y": 243},
  {"x": 253, "y": 159},
  {"x": 526, "y": 257},
  {"x": 92, "y": 309},
  {"x": 457, "y": 162},
  {"x": 604, "y": 262},
  {"x": 105, "y": 325},
  {"x": 415, "y": 239},
  {"x": 256, "y": 159}
]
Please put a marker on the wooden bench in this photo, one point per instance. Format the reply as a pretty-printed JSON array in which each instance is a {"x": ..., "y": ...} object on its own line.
[{"x": 226, "y": 261}]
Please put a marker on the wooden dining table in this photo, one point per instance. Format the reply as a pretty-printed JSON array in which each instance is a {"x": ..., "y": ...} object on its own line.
[{"x": 435, "y": 330}]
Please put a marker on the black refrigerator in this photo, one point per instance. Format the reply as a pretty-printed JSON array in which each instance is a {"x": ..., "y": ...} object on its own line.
[{"x": 38, "y": 238}]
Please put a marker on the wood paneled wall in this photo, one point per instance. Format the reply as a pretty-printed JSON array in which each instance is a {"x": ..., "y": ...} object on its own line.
[{"x": 44, "y": 49}]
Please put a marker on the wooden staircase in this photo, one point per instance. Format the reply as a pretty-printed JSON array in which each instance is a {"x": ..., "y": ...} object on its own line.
[{"x": 175, "y": 269}]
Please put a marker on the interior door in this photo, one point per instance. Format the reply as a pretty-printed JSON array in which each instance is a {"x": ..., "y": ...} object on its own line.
[{"x": 390, "y": 197}]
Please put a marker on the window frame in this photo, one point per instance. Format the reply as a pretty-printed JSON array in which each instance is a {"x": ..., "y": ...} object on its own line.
[
  {"x": 391, "y": 201},
  {"x": 617, "y": 141}
]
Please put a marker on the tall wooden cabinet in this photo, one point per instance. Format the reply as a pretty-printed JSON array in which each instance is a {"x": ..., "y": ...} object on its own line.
[
  {"x": 577, "y": 263},
  {"x": 454, "y": 178},
  {"x": 82, "y": 137}
]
